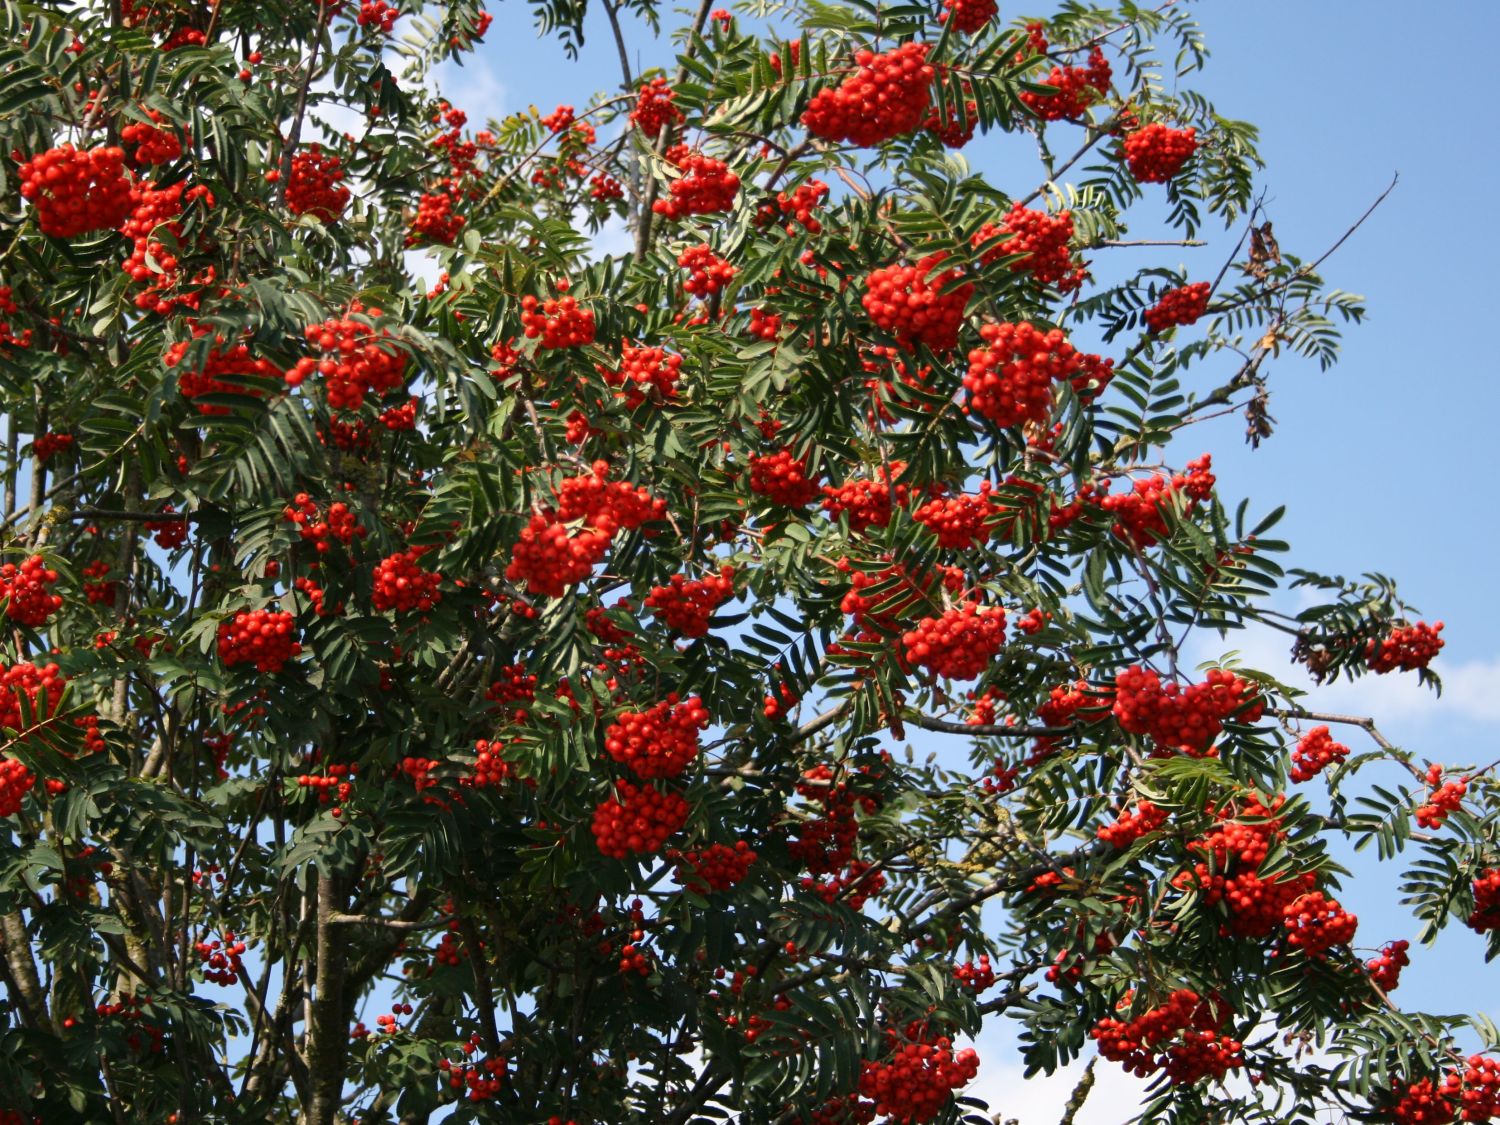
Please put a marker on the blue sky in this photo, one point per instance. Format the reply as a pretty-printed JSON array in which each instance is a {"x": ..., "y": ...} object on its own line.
[{"x": 1382, "y": 460}]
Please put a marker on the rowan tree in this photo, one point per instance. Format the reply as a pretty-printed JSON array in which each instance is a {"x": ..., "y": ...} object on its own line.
[{"x": 491, "y": 697}]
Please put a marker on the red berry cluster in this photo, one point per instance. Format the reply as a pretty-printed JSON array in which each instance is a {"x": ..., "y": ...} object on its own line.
[
  {"x": 959, "y": 644},
  {"x": 153, "y": 145},
  {"x": 1044, "y": 240},
  {"x": 1178, "y": 307},
  {"x": 645, "y": 369},
  {"x": 1486, "y": 889},
  {"x": 169, "y": 534},
  {"x": 1010, "y": 379},
  {"x": 219, "y": 363},
  {"x": 886, "y": 97},
  {"x": 782, "y": 479},
  {"x": 260, "y": 637},
  {"x": 654, "y": 108},
  {"x": 1077, "y": 88},
  {"x": 1233, "y": 853},
  {"x": 435, "y": 221},
  {"x": 604, "y": 504},
  {"x": 1475, "y": 1088},
  {"x": 338, "y": 523},
  {"x": 1385, "y": 970},
  {"x": 959, "y": 521},
  {"x": 152, "y": 263},
  {"x": 474, "y": 1081},
  {"x": 717, "y": 867},
  {"x": 969, "y": 16},
  {"x": 401, "y": 585},
  {"x": 77, "y": 191},
  {"x": 1316, "y": 923},
  {"x": 867, "y": 502},
  {"x": 661, "y": 742},
  {"x": 1186, "y": 1027},
  {"x": 916, "y": 305},
  {"x": 1315, "y": 751},
  {"x": 336, "y": 783},
  {"x": 315, "y": 186},
  {"x": 1144, "y": 819},
  {"x": 15, "y": 782},
  {"x": 560, "y": 322},
  {"x": 377, "y": 13},
  {"x": 221, "y": 959},
  {"x": 686, "y": 606},
  {"x": 103, "y": 592},
  {"x": 913, "y": 1083},
  {"x": 46, "y": 446},
  {"x": 1157, "y": 153},
  {"x": 357, "y": 359},
  {"x": 490, "y": 769},
  {"x": 706, "y": 185},
  {"x": 976, "y": 978},
  {"x": 1446, "y": 798},
  {"x": 798, "y": 206},
  {"x": 641, "y": 823},
  {"x": 1187, "y": 719},
  {"x": 27, "y": 593},
  {"x": 402, "y": 417},
  {"x": 765, "y": 324},
  {"x": 707, "y": 272},
  {"x": 1409, "y": 648},
  {"x": 1139, "y": 516}
]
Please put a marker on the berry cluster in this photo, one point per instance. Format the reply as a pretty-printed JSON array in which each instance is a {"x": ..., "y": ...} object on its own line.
[
  {"x": 1044, "y": 240},
  {"x": 260, "y": 637},
  {"x": 153, "y": 145},
  {"x": 152, "y": 264},
  {"x": 1187, "y": 719},
  {"x": 798, "y": 206},
  {"x": 959, "y": 644},
  {"x": 560, "y": 322},
  {"x": 1139, "y": 514},
  {"x": 969, "y": 16},
  {"x": 1233, "y": 853},
  {"x": 475, "y": 1081},
  {"x": 435, "y": 221},
  {"x": 221, "y": 362},
  {"x": 661, "y": 742},
  {"x": 337, "y": 524},
  {"x": 15, "y": 782},
  {"x": 1181, "y": 1037},
  {"x": 1446, "y": 798},
  {"x": 490, "y": 769},
  {"x": 1385, "y": 970},
  {"x": 221, "y": 959},
  {"x": 717, "y": 867},
  {"x": 357, "y": 359},
  {"x": 1181, "y": 306},
  {"x": 27, "y": 592},
  {"x": 706, "y": 185},
  {"x": 642, "y": 822},
  {"x": 1409, "y": 648},
  {"x": 1315, "y": 751},
  {"x": 654, "y": 109},
  {"x": 46, "y": 446},
  {"x": 917, "y": 305},
  {"x": 867, "y": 502},
  {"x": 1010, "y": 379},
  {"x": 1316, "y": 923},
  {"x": 1486, "y": 890},
  {"x": 886, "y": 97},
  {"x": 960, "y": 521},
  {"x": 686, "y": 606},
  {"x": 377, "y": 13},
  {"x": 1471, "y": 1093},
  {"x": 76, "y": 191},
  {"x": 976, "y": 978},
  {"x": 401, "y": 585},
  {"x": 315, "y": 186},
  {"x": 645, "y": 369},
  {"x": 914, "y": 1082},
  {"x": 707, "y": 272},
  {"x": 1157, "y": 153},
  {"x": 782, "y": 479},
  {"x": 1077, "y": 88},
  {"x": 1144, "y": 819}
]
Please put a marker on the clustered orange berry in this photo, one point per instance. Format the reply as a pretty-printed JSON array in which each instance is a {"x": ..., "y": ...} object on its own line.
[
  {"x": 1187, "y": 719},
  {"x": 1156, "y": 153},
  {"x": 654, "y": 108},
  {"x": 1468, "y": 1093},
  {"x": 1144, "y": 819},
  {"x": 260, "y": 637},
  {"x": 969, "y": 16},
  {"x": 867, "y": 502},
  {"x": 1044, "y": 239},
  {"x": 76, "y": 191},
  {"x": 782, "y": 479},
  {"x": 1181, "y": 1037},
  {"x": 641, "y": 822},
  {"x": 1409, "y": 648},
  {"x": 975, "y": 977},
  {"x": 1010, "y": 379},
  {"x": 357, "y": 359},
  {"x": 401, "y": 585},
  {"x": 1139, "y": 516},
  {"x": 960, "y": 643},
  {"x": 221, "y": 959},
  {"x": 798, "y": 205},
  {"x": 15, "y": 782},
  {"x": 645, "y": 369},
  {"x": 1446, "y": 797},
  {"x": 1077, "y": 89},
  {"x": 707, "y": 272},
  {"x": 474, "y": 1081},
  {"x": 377, "y": 13},
  {"x": 1181, "y": 306},
  {"x": 661, "y": 742},
  {"x": 917, "y": 305},
  {"x": 686, "y": 606},
  {"x": 559, "y": 322},
  {"x": 913, "y": 1083},
  {"x": 27, "y": 592},
  {"x": 1229, "y": 874},
  {"x": 1385, "y": 970},
  {"x": 886, "y": 97},
  {"x": 959, "y": 521},
  {"x": 435, "y": 220},
  {"x": 220, "y": 363},
  {"x": 1316, "y": 923},
  {"x": 153, "y": 145},
  {"x": 337, "y": 524},
  {"x": 706, "y": 185},
  {"x": 717, "y": 867},
  {"x": 1315, "y": 751},
  {"x": 315, "y": 186},
  {"x": 46, "y": 446},
  {"x": 153, "y": 263}
]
